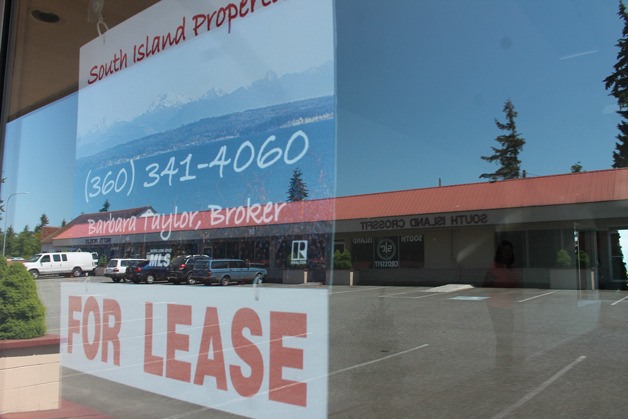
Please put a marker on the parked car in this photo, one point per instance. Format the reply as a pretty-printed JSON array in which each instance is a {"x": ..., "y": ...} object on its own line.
[
  {"x": 116, "y": 268},
  {"x": 145, "y": 272},
  {"x": 62, "y": 263},
  {"x": 181, "y": 268},
  {"x": 225, "y": 271}
]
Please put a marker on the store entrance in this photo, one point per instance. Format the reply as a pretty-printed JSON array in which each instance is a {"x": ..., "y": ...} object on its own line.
[{"x": 619, "y": 253}]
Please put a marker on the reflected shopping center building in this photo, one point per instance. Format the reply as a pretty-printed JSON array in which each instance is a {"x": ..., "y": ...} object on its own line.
[
  {"x": 428, "y": 236},
  {"x": 307, "y": 137}
]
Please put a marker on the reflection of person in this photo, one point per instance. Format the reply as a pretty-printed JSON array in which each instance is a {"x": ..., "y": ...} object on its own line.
[
  {"x": 501, "y": 274},
  {"x": 501, "y": 307}
]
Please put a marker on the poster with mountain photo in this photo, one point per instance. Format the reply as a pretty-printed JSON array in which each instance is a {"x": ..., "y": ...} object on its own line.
[{"x": 196, "y": 104}]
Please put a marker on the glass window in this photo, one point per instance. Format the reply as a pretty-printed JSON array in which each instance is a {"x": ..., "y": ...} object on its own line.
[
  {"x": 619, "y": 248},
  {"x": 362, "y": 252},
  {"x": 411, "y": 251},
  {"x": 220, "y": 264},
  {"x": 544, "y": 246},
  {"x": 201, "y": 264},
  {"x": 469, "y": 155}
]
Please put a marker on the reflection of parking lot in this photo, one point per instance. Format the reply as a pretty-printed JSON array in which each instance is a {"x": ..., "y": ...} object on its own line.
[{"x": 403, "y": 351}]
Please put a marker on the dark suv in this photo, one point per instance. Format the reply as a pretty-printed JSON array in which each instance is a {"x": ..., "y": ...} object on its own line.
[
  {"x": 145, "y": 272},
  {"x": 181, "y": 268}
]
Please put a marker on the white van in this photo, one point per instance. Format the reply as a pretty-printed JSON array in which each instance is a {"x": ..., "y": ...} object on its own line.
[{"x": 65, "y": 263}]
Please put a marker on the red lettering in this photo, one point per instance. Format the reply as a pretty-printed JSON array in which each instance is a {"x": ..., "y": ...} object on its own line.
[
  {"x": 138, "y": 53},
  {"x": 211, "y": 339},
  {"x": 220, "y": 17},
  {"x": 203, "y": 22},
  {"x": 106, "y": 327},
  {"x": 178, "y": 370},
  {"x": 243, "y": 7},
  {"x": 248, "y": 352},
  {"x": 75, "y": 305},
  {"x": 232, "y": 10},
  {"x": 93, "y": 73},
  {"x": 199, "y": 20},
  {"x": 152, "y": 364},
  {"x": 294, "y": 325},
  {"x": 100, "y": 330},
  {"x": 110, "y": 334},
  {"x": 156, "y": 46},
  {"x": 117, "y": 63},
  {"x": 91, "y": 348},
  {"x": 179, "y": 36}
]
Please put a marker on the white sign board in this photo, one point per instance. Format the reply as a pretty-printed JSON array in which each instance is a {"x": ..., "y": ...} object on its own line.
[{"x": 259, "y": 352}]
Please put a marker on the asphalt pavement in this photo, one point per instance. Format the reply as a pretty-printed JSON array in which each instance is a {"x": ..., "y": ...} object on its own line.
[{"x": 432, "y": 353}]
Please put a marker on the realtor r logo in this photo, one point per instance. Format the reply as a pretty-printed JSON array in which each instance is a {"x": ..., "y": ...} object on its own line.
[{"x": 299, "y": 251}]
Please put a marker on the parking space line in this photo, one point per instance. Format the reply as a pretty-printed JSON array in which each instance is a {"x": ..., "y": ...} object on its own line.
[
  {"x": 401, "y": 293},
  {"x": 619, "y": 301},
  {"x": 408, "y": 298},
  {"x": 357, "y": 290},
  {"x": 539, "y": 389},
  {"x": 291, "y": 384},
  {"x": 538, "y": 296},
  {"x": 364, "y": 364}
]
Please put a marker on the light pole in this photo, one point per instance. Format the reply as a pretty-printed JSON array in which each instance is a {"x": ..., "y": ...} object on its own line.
[{"x": 4, "y": 232}]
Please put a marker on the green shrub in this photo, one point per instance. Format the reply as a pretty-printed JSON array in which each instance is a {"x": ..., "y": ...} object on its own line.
[
  {"x": 563, "y": 260},
  {"x": 342, "y": 260},
  {"x": 22, "y": 314},
  {"x": 103, "y": 260}
]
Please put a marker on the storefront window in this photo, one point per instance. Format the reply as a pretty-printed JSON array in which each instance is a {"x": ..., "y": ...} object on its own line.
[
  {"x": 467, "y": 158},
  {"x": 411, "y": 251},
  {"x": 619, "y": 249},
  {"x": 362, "y": 252},
  {"x": 544, "y": 246}
]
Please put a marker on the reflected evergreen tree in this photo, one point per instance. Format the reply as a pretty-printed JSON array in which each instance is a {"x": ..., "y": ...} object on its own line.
[
  {"x": 10, "y": 241},
  {"x": 43, "y": 222},
  {"x": 26, "y": 243},
  {"x": 576, "y": 168},
  {"x": 510, "y": 146},
  {"x": 618, "y": 85},
  {"x": 105, "y": 206},
  {"x": 298, "y": 189}
]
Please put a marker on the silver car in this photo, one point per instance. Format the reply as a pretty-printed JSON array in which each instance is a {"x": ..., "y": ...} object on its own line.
[{"x": 116, "y": 268}]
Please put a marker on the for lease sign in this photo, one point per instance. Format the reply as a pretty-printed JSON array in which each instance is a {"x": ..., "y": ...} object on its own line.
[{"x": 259, "y": 352}]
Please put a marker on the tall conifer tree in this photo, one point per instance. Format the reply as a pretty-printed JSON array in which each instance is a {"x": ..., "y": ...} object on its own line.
[
  {"x": 43, "y": 222},
  {"x": 511, "y": 144},
  {"x": 298, "y": 189},
  {"x": 618, "y": 85},
  {"x": 105, "y": 206}
]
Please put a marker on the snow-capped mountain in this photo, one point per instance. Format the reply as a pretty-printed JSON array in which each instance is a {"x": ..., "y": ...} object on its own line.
[
  {"x": 171, "y": 110},
  {"x": 168, "y": 100}
]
